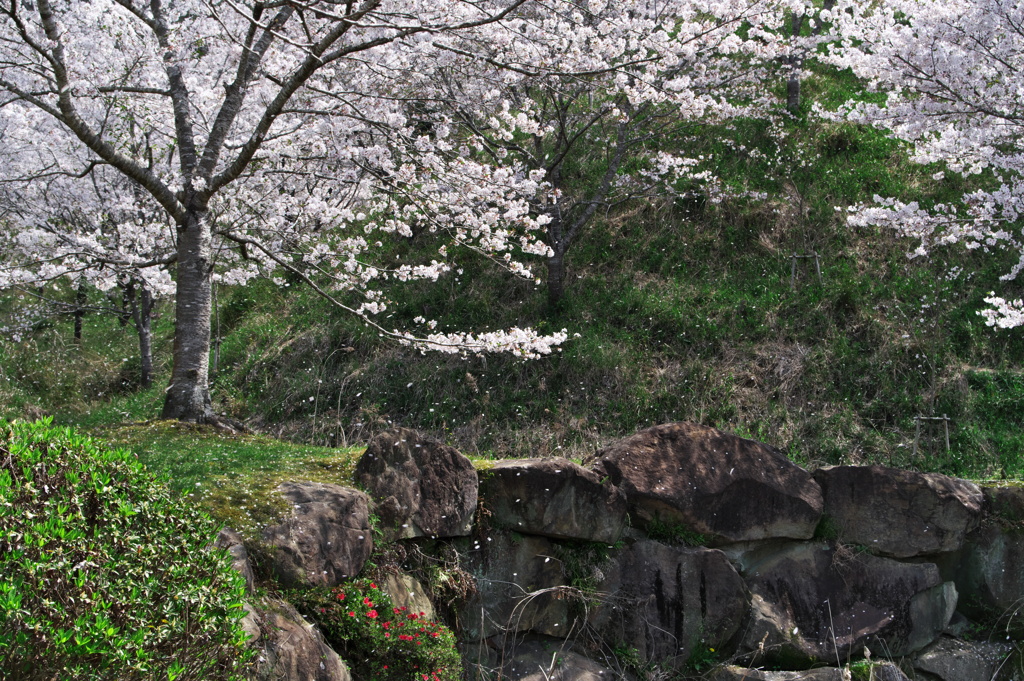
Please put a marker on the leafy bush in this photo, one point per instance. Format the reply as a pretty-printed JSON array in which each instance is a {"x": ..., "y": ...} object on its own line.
[
  {"x": 377, "y": 640},
  {"x": 103, "y": 573}
]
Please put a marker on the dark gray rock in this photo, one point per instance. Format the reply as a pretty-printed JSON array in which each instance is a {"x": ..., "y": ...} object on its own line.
[
  {"x": 812, "y": 603},
  {"x": 553, "y": 498},
  {"x": 713, "y": 483},
  {"x": 520, "y": 586},
  {"x": 1005, "y": 503},
  {"x": 550, "y": 659},
  {"x": 887, "y": 671},
  {"x": 665, "y": 602},
  {"x": 325, "y": 540},
  {"x": 899, "y": 513},
  {"x": 421, "y": 487},
  {"x": 950, "y": 659},
  {"x": 991, "y": 571}
]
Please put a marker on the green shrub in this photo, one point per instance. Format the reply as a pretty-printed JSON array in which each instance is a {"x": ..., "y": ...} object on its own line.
[
  {"x": 104, "y": 574},
  {"x": 378, "y": 641}
]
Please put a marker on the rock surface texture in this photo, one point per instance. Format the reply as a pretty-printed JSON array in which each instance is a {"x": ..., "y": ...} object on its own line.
[
  {"x": 326, "y": 539},
  {"x": 548, "y": 659},
  {"x": 664, "y": 602},
  {"x": 580, "y": 573},
  {"x": 813, "y": 603},
  {"x": 230, "y": 541},
  {"x": 292, "y": 649},
  {"x": 520, "y": 586},
  {"x": 900, "y": 513},
  {"x": 951, "y": 660},
  {"x": 553, "y": 498},
  {"x": 720, "y": 485},
  {"x": 421, "y": 487}
]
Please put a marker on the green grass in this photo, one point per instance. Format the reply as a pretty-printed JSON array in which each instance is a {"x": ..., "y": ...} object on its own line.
[
  {"x": 230, "y": 475},
  {"x": 684, "y": 310}
]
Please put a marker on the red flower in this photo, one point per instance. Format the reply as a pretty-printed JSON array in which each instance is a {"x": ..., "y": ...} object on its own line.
[
  {"x": 367, "y": 601},
  {"x": 372, "y": 614},
  {"x": 386, "y": 625},
  {"x": 434, "y": 634},
  {"x": 341, "y": 596},
  {"x": 387, "y": 635},
  {"x": 351, "y": 613},
  {"x": 372, "y": 585}
]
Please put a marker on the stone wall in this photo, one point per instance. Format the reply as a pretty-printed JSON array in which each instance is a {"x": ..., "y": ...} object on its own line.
[{"x": 685, "y": 551}]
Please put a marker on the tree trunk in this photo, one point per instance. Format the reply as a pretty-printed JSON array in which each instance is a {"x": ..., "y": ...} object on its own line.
[
  {"x": 80, "y": 301},
  {"x": 795, "y": 63},
  {"x": 127, "y": 301},
  {"x": 556, "y": 277},
  {"x": 142, "y": 314},
  {"x": 793, "y": 90},
  {"x": 188, "y": 396}
]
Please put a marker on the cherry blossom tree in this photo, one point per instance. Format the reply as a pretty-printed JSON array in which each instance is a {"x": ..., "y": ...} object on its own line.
[
  {"x": 609, "y": 129},
  {"x": 300, "y": 137},
  {"x": 54, "y": 234},
  {"x": 952, "y": 75}
]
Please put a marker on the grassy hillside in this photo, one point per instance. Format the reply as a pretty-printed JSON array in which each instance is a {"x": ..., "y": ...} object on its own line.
[{"x": 684, "y": 310}]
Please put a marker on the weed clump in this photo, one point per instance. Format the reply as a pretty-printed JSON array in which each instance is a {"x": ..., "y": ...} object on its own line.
[{"x": 104, "y": 573}]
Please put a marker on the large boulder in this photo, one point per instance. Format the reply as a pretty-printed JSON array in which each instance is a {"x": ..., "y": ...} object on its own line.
[
  {"x": 990, "y": 573},
  {"x": 665, "y": 601},
  {"x": 291, "y": 649},
  {"x": 950, "y": 659},
  {"x": 990, "y": 569},
  {"x": 520, "y": 586},
  {"x": 813, "y": 603},
  {"x": 553, "y": 498},
  {"x": 1006, "y": 503},
  {"x": 713, "y": 483},
  {"x": 899, "y": 513},
  {"x": 325, "y": 540},
  {"x": 421, "y": 487}
]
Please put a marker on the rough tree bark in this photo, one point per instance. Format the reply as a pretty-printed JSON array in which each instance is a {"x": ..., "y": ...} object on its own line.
[
  {"x": 188, "y": 396},
  {"x": 80, "y": 301}
]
